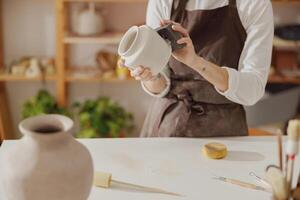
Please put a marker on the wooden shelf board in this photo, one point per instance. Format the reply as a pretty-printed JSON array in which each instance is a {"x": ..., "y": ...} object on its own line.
[
  {"x": 280, "y": 43},
  {"x": 283, "y": 80},
  {"x": 9, "y": 77},
  {"x": 108, "y": 1},
  {"x": 96, "y": 80},
  {"x": 285, "y": 1},
  {"x": 106, "y": 38}
]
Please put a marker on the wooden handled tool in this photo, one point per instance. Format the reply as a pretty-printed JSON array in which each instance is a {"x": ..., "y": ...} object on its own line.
[
  {"x": 259, "y": 179},
  {"x": 279, "y": 141},
  {"x": 104, "y": 180},
  {"x": 241, "y": 183},
  {"x": 292, "y": 149}
]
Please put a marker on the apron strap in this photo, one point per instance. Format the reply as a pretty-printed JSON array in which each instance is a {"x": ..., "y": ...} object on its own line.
[
  {"x": 178, "y": 10},
  {"x": 232, "y": 3}
]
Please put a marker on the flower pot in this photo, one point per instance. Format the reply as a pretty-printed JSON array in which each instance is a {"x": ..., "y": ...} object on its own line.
[
  {"x": 47, "y": 163},
  {"x": 144, "y": 46}
]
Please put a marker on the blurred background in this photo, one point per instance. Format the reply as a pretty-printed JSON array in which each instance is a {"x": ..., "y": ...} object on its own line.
[{"x": 59, "y": 56}]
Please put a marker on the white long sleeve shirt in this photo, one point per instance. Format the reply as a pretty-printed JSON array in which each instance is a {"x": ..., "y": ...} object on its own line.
[{"x": 247, "y": 84}]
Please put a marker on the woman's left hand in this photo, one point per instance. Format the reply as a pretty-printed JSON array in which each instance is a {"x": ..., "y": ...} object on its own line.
[{"x": 187, "y": 54}]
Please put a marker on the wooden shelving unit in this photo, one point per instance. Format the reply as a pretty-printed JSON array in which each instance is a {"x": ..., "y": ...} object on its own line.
[
  {"x": 280, "y": 43},
  {"x": 11, "y": 78},
  {"x": 285, "y": 1},
  {"x": 107, "y": 38},
  {"x": 284, "y": 44},
  {"x": 65, "y": 40},
  {"x": 6, "y": 130},
  {"x": 71, "y": 79},
  {"x": 283, "y": 80}
]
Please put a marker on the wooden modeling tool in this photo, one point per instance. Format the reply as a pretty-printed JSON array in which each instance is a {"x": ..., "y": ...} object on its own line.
[
  {"x": 241, "y": 183},
  {"x": 298, "y": 183},
  {"x": 279, "y": 141},
  {"x": 276, "y": 179},
  {"x": 104, "y": 180},
  {"x": 260, "y": 180},
  {"x": 292, "y": 149}
]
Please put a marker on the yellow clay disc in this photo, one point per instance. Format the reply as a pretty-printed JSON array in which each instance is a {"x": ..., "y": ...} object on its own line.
[{"x": 215, "y": 150}]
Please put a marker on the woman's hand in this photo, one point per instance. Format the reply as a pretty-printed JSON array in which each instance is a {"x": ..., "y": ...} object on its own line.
[
  {"x": 140, "y": 73},
  {"x": 154, "y": 84},
  {"x": 186, "y": 55},
  {"x": 213, "y": 73}
]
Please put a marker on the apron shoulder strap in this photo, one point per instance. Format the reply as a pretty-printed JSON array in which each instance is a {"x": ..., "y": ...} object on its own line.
[
  {"x": 178, "y": 10},
  {"x": 232, "y": 3}
]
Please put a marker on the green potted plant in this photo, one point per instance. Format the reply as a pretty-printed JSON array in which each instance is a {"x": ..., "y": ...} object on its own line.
[
  {"x": 42, "y": 103},
  {"x": 103, "y": 118}
]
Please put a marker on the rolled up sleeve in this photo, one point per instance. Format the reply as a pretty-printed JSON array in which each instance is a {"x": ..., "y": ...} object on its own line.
[
  {"x": 247, "y": 84},
  {"x": 166, "y": 74}
]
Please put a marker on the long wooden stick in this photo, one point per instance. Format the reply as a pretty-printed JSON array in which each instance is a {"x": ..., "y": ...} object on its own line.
[
  {"x": 298, "y": 184},
  {"x": 279, "y": 140},
  {"x": 145, "y": 188},
  {"x": 241, "y": 183}
]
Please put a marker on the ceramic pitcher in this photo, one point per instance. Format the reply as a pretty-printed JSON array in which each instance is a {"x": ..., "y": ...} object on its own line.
[
  {"x": 144, "y": 46},
  {"x": 90, "y": 21},
  {"x": 47, "y": 163}
]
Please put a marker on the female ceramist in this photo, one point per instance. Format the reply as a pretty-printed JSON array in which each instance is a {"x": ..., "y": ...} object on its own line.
[{"x": 224, "y": 66}]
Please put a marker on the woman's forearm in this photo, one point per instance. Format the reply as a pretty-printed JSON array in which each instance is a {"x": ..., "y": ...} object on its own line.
[
  {"x": 212, "y": 73},
  {"x": 156, "y": 85}
]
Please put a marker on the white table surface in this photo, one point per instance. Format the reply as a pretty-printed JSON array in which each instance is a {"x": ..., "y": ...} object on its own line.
[{"x": 177, "y": 165}]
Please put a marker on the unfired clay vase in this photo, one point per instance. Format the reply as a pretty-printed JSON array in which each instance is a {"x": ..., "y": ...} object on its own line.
[
  {"x": 144, "y": 46},
  {"x": 46, "y": 165}
]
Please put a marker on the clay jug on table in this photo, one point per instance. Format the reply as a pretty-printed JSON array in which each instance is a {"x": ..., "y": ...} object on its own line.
[
  {"x": 152, "y": 48},
  {"x": 47, "y": 163}
]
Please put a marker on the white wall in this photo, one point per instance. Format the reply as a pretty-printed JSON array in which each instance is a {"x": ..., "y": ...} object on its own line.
[{"x": 29, "y": 29}]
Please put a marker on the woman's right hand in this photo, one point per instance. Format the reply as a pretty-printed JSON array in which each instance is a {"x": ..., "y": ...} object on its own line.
[{"x": 140, "y": 73}]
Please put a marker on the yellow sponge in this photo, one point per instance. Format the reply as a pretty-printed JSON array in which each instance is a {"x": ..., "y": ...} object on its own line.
[{"x": 215, "y": 150}]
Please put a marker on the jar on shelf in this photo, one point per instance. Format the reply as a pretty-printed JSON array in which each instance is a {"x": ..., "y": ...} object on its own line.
[{"x": 90, "y": 21}]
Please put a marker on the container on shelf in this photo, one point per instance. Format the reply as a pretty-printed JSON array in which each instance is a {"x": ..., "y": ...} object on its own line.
[{"x": 90, "y": 21}]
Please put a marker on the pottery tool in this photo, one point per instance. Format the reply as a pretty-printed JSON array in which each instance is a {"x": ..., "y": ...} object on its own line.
[
  {"x": 278, "y": 182},
  {"x": 104, "y": 180},
  {"x": 215, "y": 150},
  {"x": 292, "y": 149},
  {"x": 241, "y": 183},
  {"x": 279, "y": 141},
  {"x": 259, "y": 179},
  {"x": 298, "y": 183},
  {"x": 296, "y": 194}
]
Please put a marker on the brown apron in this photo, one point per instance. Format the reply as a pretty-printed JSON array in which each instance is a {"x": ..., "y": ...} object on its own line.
[{"x": 193, "y": 108}]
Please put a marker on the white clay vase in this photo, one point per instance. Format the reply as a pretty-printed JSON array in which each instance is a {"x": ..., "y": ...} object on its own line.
[
  {"x": 47, "y": 163},
  {"x": 144, "y": 46},
  {"x": 90, "y": 22}
]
